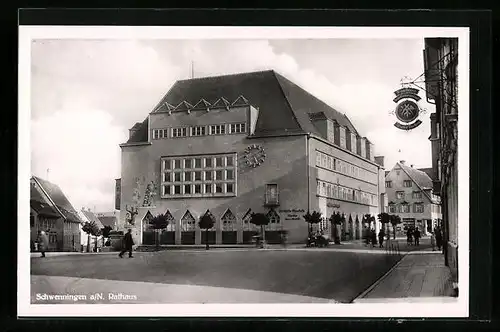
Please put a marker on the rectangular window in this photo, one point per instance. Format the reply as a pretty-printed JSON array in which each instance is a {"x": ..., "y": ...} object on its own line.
[
  {"x": 198, "y": 131},
  {"x": 217, "y": 129},
  {"x": 388, "y": 184},
  {"x": 167, "y": 177},
  {"x": 208, "y": 162},
  {"x": 335, "y": 191},
  {"x": 229, "y": 188},
  {"x": 392, "y": 208},
  {"x": 179, "y": 132},
  {"x": 419, "y": 208},
  {"x": 236, "y": 128},
  {"x": 272, "y": 194},
  {"x": 407, "y": 183},
  {"x": 167, "y": 190},
  {"x": 177, "y": 190},
  {"x": 197, "y": 163},
  {"x": 318, "y": 158},
  {"x": 185, "y": 174},
  {"x": 177, "y": 163},
  {"x": 197, "y": 176},
  {"x": 405, "y": 208},
  {"x": 177, "y": 176},
  {"x": 400, "y": 194},
  {"x": 417, "y": 194},
  {"x": 167, "y": 164}
]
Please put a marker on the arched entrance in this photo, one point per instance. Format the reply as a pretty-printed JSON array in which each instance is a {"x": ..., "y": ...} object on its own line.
[
  {"x": 274, "y": 228},
  {"x": 188, "y": 227},
  {"x": 229, "y": 233}
]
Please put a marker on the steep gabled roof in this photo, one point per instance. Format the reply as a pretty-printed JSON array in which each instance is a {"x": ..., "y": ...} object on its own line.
[
  {"x": 93, "y": 218},
  {"x": 110, "y": 221},
  {"x": 421, "y": 179},
  {"x": 429, "y": 171},
  {"x": 56, "y": 195},
  {"x": 284, "y": 107}
]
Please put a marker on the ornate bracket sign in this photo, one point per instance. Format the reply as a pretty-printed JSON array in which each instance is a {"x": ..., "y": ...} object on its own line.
[{"x": 407, "y": 109}]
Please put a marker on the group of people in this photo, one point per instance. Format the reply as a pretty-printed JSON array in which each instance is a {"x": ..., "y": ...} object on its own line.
[
  {"x": 413, "y": 236},
  {"x": 437, "y": 239},
  {"x": 370, "y": 237}
]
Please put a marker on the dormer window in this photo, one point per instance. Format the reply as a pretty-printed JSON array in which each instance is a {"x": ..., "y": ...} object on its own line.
[
  {"x": 217, "y": 129},
  {"x": 179, "y": 132},
  {"x": 236, "y": 128}
]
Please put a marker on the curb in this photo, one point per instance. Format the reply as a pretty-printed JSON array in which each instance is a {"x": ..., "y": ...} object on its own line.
[{"x": 378, "y": 281}]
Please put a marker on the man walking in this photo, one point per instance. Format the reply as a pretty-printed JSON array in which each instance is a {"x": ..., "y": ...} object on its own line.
[
  {"x": 128, "y": 242},
  {"x": 439, "y": 238},
  {"x": 416, "y": 235},
  {"x": 43, "y": 242},
  {"x": 381, "y": 235}
]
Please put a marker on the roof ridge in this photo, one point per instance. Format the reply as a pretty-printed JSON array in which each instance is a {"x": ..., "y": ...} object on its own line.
[{"x": 225, "y": 75}]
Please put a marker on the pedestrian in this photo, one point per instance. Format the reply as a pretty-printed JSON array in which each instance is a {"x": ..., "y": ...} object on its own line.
[
  {"x": 128, "y": 242},
  {"x": 381, "y": 235},
  {"x": 416, "y": 235},
  {"x": 409, "y": 236},
  {"x": 366, "y": 235},
  {"x": 439, "y": 238},
  {"x": 43, "y": 242},
  {"x": 373, "y": 236},
  {"x": 433, "y": 240}
]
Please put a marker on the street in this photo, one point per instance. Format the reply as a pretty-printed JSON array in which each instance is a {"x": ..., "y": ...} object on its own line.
[{"x": 337, "y": 275}]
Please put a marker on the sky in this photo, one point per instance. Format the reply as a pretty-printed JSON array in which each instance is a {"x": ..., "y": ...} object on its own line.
[{"x": 86, "y": 94}]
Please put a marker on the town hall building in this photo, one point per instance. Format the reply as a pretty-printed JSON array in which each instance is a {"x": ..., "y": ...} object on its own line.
[{"x": 236, "y": 144}]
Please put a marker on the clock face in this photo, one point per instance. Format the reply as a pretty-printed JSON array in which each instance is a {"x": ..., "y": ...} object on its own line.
[{"x": 254, "y": 155}]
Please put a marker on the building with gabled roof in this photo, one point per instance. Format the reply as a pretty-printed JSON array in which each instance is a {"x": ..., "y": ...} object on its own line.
[
  {"x": 52, "y": 212},
  {"x": 250, "y": 141},
  {"x": 410, "y": 195}
]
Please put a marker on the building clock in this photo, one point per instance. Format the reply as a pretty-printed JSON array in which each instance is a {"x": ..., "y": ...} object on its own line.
[{"x": 254, "y": 155}]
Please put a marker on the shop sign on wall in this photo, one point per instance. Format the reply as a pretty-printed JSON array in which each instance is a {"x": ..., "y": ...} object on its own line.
[
  {"x": 293, "y": 214},
  {"x": 407, "y": 109}
]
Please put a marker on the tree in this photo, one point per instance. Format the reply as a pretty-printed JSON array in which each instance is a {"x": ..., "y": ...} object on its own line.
[
  {"x": 384, "y": 218},
  {"x": 351, "y": 227},
  {"x": 105, "y": 233},
  {"x": 337, "y": 219},
  {"x": 394, "y": 220},
  {"x": 206, "y": 222},
  {"x": 158, "y": 222},
  {"x": 91, "y": 229},
  {"x": 312, "y": 218},
  {"x": 260, "y": 219},
  {"x": 368, "y": 219}
]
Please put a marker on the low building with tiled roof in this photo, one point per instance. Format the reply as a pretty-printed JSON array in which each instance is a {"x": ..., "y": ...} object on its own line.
[
  {"x": 410, "y": 195},
  {"x": 108, "y": 219},
  {"x": 246, "y": 142},
  {"x": 52, "y": 212}
]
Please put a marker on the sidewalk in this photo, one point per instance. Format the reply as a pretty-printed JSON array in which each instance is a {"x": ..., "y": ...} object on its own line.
[{"x": 420, "y": 274}]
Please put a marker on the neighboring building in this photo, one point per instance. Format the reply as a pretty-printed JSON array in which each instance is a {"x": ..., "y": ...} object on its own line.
[
  {"x": 52, "y": 212},
  {"x": 88, "y": 216},
  {"x": 109, "y": 219},
  {"x": 236, "y": 144},
  {"x": 440, "y": 63},
  {"x": 410, "y": 195}
]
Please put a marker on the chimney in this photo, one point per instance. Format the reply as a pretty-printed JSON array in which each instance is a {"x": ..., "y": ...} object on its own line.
[{"x": 402, "y": 162}]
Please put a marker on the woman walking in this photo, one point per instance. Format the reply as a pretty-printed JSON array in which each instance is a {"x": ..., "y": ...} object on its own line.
[{"x": 381, "y": 235}]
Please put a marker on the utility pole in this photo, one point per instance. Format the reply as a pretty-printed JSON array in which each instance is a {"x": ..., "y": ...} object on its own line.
[{"x": 192, "y": 69}]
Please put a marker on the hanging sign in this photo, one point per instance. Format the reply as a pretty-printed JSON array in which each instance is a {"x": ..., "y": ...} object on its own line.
[{"x": 407, "y": 109}]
